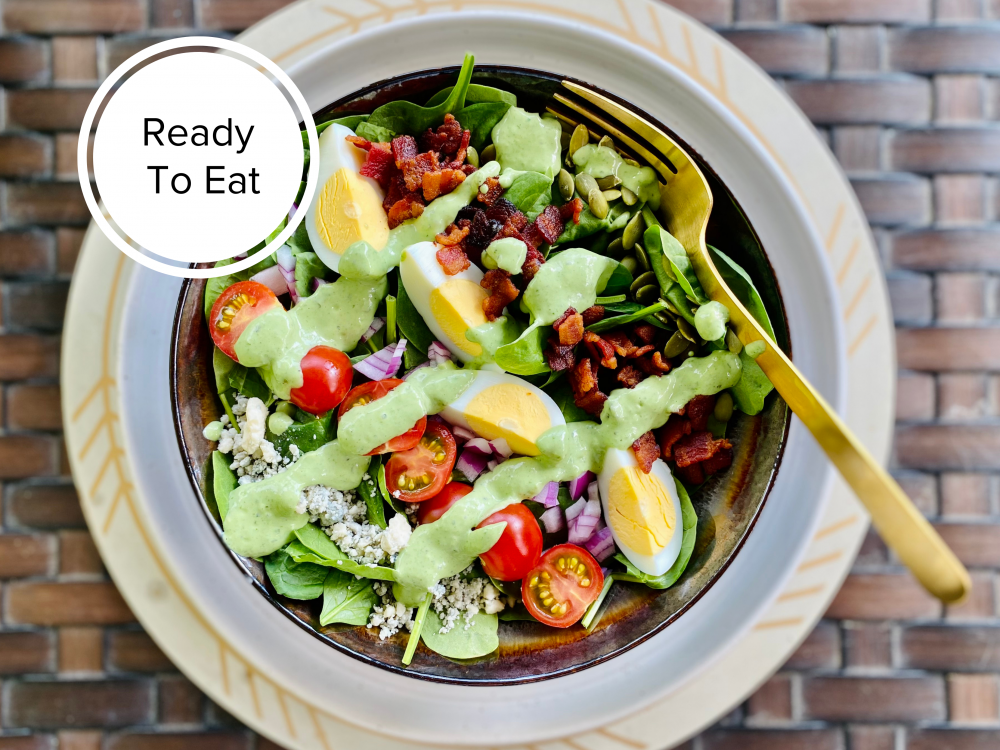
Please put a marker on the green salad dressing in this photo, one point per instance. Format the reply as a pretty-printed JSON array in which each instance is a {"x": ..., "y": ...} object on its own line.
[
  {"x": 427, "y": 391},
  {"x": 507, "y": 253},
  {"x": 601, "y": 161},
  {"x": 449, "y": 545},
  {"x": 491, "y": 336},
  {"x": 710, "y": 320},
  {"x": 571, "y": 278},
  {"x": 262, "y": 516},
  {"x": 336, "y": 315},
  {"x": 527, "y": 142},
  {"x": 362, "y": 261}
]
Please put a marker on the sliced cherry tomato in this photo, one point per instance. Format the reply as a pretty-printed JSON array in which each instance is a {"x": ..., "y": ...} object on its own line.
[
  {"x": 376, "y": 389},
  {"x": 423, "y": 471},
  {"x": 235, "y": 308},
  {"x": 565, "y": 582},
  {"x": 326, "y": 378},
  {"x": 517, "y": 549},
  {"x": 431, "y": 510}
]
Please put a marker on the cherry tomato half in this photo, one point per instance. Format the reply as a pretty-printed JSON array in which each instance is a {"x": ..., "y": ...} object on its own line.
[
  {"x": 376, "y": 389},
  {"x": 326, "y": 378},
  {"x": 517, "y": 549},
  {"x": 235, "y": 308},
  {"x": 423, "y": 471},
  {"x": 431, "y": 510},
  {"x": 565, "y": 582}
]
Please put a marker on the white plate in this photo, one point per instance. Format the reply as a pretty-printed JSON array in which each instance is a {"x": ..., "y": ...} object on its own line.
[{"x": 262, "y": 668}]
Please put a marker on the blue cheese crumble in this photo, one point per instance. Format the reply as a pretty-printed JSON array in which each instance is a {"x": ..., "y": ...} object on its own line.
[
  {"x": 253, "y": 456},
  {"x": 463, "y": 597}
]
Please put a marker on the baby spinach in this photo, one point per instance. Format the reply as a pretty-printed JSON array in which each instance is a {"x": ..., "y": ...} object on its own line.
[
  {"x": 477, "y": 93},
  {"x": 395, "y": 504},
  {"x": 461, "y": 642},
  {"x": 299, "y": 242},
  {"x": 223, "y": 482},
  {"x": 369, "y": 491},
  {"x": 375, "y": 133},
  {"x": 670, "y": 253},
  {"x": 294, "y": 579},
  {"x": 689, "y": 519},
  {"x": 518, "y": 614},
  {"x": 406, "y": 117},
  {"x": 222, "y": 365},
  {"x": 531, "y": 192},
  {"x": 480, "y": 119},
  {"x": 607, "y": 324},
  {"x": 622, "y": 307},
  {"x": 315, "y": 546},
  {"x": 751, "y": 390},
  {"x": 589, "y": 224},
  {"x": 346, "y": 599},
  {"x": 348, "y": 121},
  {"x": 619, "y": 283},
  {"x": 412, "y": 325},
  {"x": 247, "y": 380},
  {"x": 525, "y": 355},
  {"x": 307, "y": 436},
  {"x": 308, "y": 266}
]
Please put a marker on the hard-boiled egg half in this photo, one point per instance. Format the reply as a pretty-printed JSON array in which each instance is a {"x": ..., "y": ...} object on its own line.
[
  {"x": 346, "y": 207},
  {"x": 450, "y": 305},
  {"x": 499, "y": 405},
  {"x": 643, "y": 511}
]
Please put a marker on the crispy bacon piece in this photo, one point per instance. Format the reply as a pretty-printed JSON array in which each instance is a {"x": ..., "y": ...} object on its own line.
[
  {"x": 693, "y": 474},
  {"x": 723, "y": 459},
  {"x": 644, "y": 332},
  {"x": 379, "y": 165},
  {"x": 583, "y": 378},
  {"x": 414, "y": 169},
  {"x": 697, "y": 447},
  {"x": 660, "y": 363},
  {"x": 600, "y": 350},
  {"x": 408, "y": 207},
  {"x": 502, "y": 292},
  {"x": 559, "y": 357},
  {"x": 593, "y": 314},
  {"x": 363, "y": 143},
  {"x": 452, "y": 259},
  {"x": 571, "y": 210},
  {"x": 404, "y": 148},
  {"x": 452, "y": 235},
  {"x": 441, "y": 182},
  {"x": 463, "y": 151},
  {"x": 467, "y": 169},
  {"x": 621, "y": 342},
  {"x": 532, "y": 262},
  {"x": 550, "y": 224},
  {"x": 629, "y": 377},
  {"x": 592, "y": 402},
  {"x": 492, "y": 194},
  {"x": 569, "y": 327},
  {"x": 502, "y": 210},
  {"x": 641, "y": 351},
  {"x": 646, "y": 451},
  {"x": 697, "y": 410},
  {"x": 675, "y": 428},
  {"x": 446, "y": 140}
]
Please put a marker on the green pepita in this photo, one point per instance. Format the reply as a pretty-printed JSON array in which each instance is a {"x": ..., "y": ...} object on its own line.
[
  {"x": 611, "y": 195},
  {"x": 629, "y": 197},
  {"x": 642, "y": 256},
  {"x": 675, "y": 346},
  {"x": 564, "y": 139},
  {"x": 688, "y": 331},
  {"x": 664, "y": 317},
  {"x": 585, "y": 184},
  {"x": 733, "y": 342},
  {"x": 579, "y": 139},
  {"x": 615, "y": 249},
  {"x": 598, "y": 204},
  {"x": 606, "y": 142},
  {"x": 643, "y": 280},
  {"x": 724, "y": 407},
  {"x": 633, "y": 230},
  {"x": 631, "y": 162},
  {"x": 606, "y": 183},
  {"x": 489, "y": 154},
  {"x": 473, "y": 156},
  {"x": 647, "y": 295},
  {"x": 566, "y": 184},
  {"x": 630, "y": 263}
]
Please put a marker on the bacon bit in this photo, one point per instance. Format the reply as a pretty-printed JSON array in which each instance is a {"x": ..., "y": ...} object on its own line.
[
  {"x": 642, "y": 351},
  {"x": 692, "y": 474},
  {"x": 415, "y": 168},
  {"x": 644, "y": 332},
  {"x": 363, "y": 143},
  {"x": 549, "y": 224},
  {"x": 675, "y": 428},
  {"x": 621, "y": 342},
  {"x": 559, "y": 357},
  {"x": 409, "y": 207},
  {"x": 502, "y": 292},
  {"x": 446, "y": 140},
  {"x": 629, "y": 377},
  {"x": 571, "y": 210},
  {"x": 593, "y": 314},
  {"x": 452, "y": 235},
  {"x": 646, "y": 451},
  {"x": 396, "y": 191},
  {"x": 492, "y": 194},
  {"x": 441, "y": 182},
  {"x": 600, "y": 349},
  {"x": 698, "y": 409},
  {"x": 723, "y": 459},
  {"x": 592, "y": 402},
  {"x": 502, "y": 210},
  {"x": 570, "y": 328},
  {"x": 379, "y": 165},
  {"x": 532, "y": 262},
  {"x": 452, "y": 259},
  {"x": 697, "y": 447},
  {"x": 583, "y": 378},
  {"x": 467, "y": 169},
  {"x": 463, "y": 152},
  {"x": 660, "y": 363},
  {"x": 404, "y": 148}
]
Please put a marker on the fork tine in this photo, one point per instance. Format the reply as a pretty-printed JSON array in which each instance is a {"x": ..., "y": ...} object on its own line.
[{"x": 563, "y": 117}]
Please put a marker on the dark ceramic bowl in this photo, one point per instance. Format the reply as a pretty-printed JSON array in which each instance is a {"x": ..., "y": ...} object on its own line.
[{"x": 727, "y": 505}]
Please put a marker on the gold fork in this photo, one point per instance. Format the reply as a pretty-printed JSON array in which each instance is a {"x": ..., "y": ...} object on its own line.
[{"x": 686, "y": 206}]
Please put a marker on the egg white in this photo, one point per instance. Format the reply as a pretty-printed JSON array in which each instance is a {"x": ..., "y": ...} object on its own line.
[{"x": 661, "y": 562}]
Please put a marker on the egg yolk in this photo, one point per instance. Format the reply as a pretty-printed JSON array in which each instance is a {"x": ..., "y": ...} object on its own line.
[
  {"x": 640, "y": 511},
  {"x": 349, "y": 210},
  {"x": 511, "y": 412},
  {"x": 457, "y": 306}
]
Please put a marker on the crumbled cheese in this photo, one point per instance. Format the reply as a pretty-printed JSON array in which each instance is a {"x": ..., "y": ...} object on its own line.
[
  {"x": 390, "y": 616},
  {"x": 254, "y": 426},
  {"x": 254, "y": 457},
  {"x": 397, "y": 535},
  {"x": 463, "y": 597}
]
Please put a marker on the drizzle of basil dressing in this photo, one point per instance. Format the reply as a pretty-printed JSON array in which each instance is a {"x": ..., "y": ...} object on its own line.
[
  {"x": 601, "y": 161},
  {"x": 527, "y": 142},
  {"x": 507, "y": 253},
  {"x": 571, "y": 278},
  {"x": 449, "y": 545}
]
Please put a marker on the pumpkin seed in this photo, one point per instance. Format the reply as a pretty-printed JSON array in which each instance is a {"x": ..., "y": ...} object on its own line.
[
  {"x": 585, "y": 183},
  {"x": 566, "y": 184},
  {"x": 606, "y": 183},
  {"x": 733, "y": 342},
  {"x": 647, "y": 295},
  {"x": 687, "y": 330},
  {"x": 643, "y": 280},
  {"x": 672, "y": 308},
  {"x": 579, "y": 139},
  {"x": 629, "y": 197},
  {"x": 615, "y": 249},
  {"x": 606, "y": 142},
  {"x": 724, "y": 407},
  {"x": 612, "y": 195},
  {"x": 598, "y": 204},
  {"x": 664, "y": 318},
  {"x": 633, "y": 231},
  {"x": 675, "y": 346},
  {"x": 642, "y": 257},
  {"x": 630, "y": 263},
  {"x": 564, "y": 140},
  {"x": 631, "y": 162},
  {"x": 489, "y": 154},
  {"x": 473, "y": 156}
]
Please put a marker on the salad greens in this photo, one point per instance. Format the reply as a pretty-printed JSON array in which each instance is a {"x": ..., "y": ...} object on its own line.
[
  {"x": 346, "y": 599},
  {"x": 296, "y": 580},
  {"x": 461, "y": 642}
]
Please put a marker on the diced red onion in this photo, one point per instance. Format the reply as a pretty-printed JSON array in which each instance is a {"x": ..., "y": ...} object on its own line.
[
  {"x": 273, "y": 279},
  {"x": 552, "y": 520},
  {"x": 462, "y": 434},
  {"x": 582, "y": 527},
  {"x": 501, "y": 449},
  {"x": 549, "y": 496},
  {"x": 578, "y": 485},
  {"x": 438, "y": 353},
  {"x": 575, "y": 509},
  {"x": 481, "y": 447},
  {"x": 593, "y": 494},
  {"x": 241, "y": 256},
  {"x": 286, "y": 262},
  {"x": 377, "y": 324},
  {"x": 601, "y": 545},
  {"x": 292, "y": 210},
  {"x": 471, "y": 463},
  {"x": 491, "y": 465},
  {"x": 318, "y": 282},
  {"x": 384, "y": 363}
]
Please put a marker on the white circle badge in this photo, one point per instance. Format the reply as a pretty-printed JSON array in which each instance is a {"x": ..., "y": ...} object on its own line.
[{"x": 198, "y": 157}]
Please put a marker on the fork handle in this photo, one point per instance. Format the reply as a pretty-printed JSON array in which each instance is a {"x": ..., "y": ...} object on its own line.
[{"x": 903, "y": 528}]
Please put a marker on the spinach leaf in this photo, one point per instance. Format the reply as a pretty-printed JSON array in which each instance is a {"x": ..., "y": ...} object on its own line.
[
  {"x": 308, "y": 266},
  {"x": 293, "y": 579},
  {"x": 368, "y": 489},
  {"x": 751, "y": 390},
  {"x": 518, "y": 614},
  {"x": 619, "y": 283},
  {"x": 531, "y": 192},
  {"x": 306, "y": 436},
  {"x": 413, "y": 327},
  {"x": 223, "y": 482},
  {"x": 247, "y": 380},
  {"x": 479, "y": 639},
  {"x": 476, "y": 93},
  {"x": 670, "y": 253},
  {"x": 396, "y": 505},
  {"x": 222, "y": 365},
  {"x": 299, "y": 242},
  {"x": 375, "y": 133},
  {"x": 480, "y": 119},
  {"x": 619, "y": 320},
  {"x": 346, "y": 599},
  {"x": 690, "y": 520},
  {"x": 622, "y": 307},
  {"x": 413, "y": 357},
  {"x": 349, "y": 121},
  {"x": 524, "y": 356},
  {"x": 406, "y": 117},
  {"x": 315, "y": 546}
]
